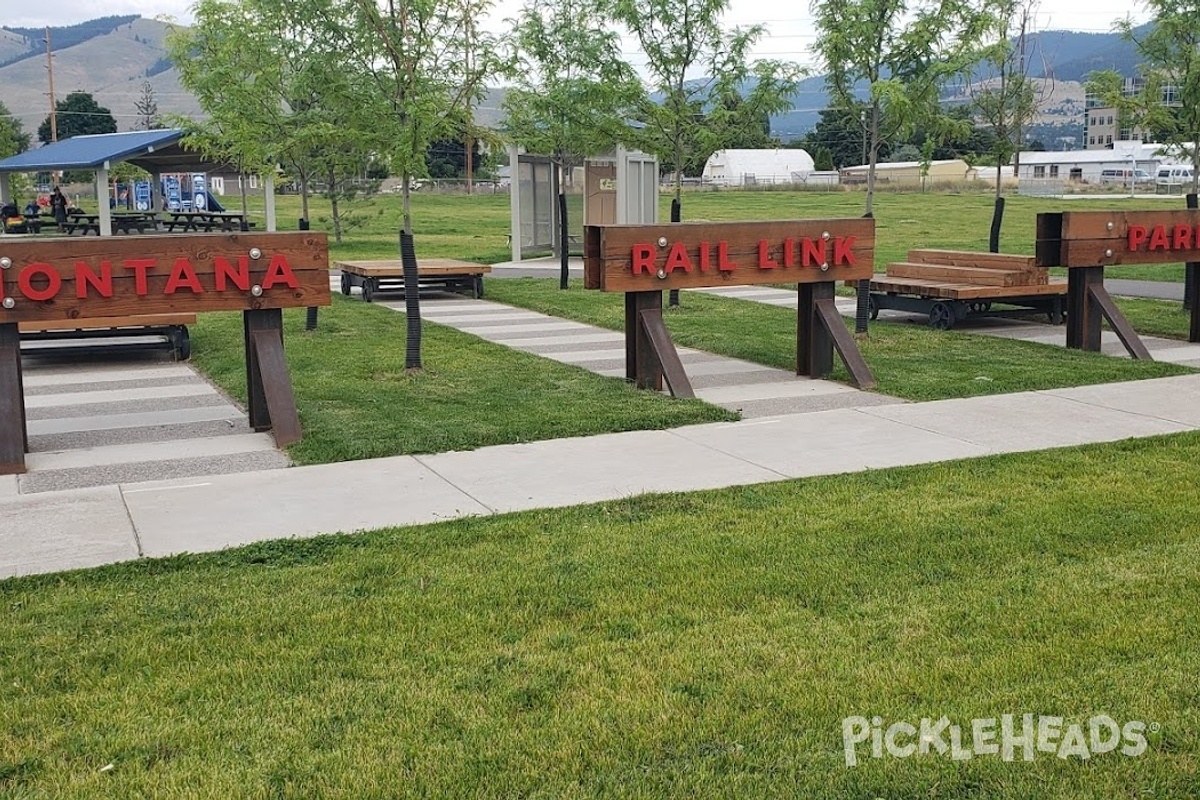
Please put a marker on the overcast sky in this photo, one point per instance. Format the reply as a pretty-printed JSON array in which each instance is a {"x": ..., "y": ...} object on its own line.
[{"x": 789, "y": 32}]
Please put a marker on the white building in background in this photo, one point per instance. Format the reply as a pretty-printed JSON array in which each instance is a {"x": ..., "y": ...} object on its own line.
[
  {"x": 1090, "y": 166},
  {"x": 758, "y": 167}
]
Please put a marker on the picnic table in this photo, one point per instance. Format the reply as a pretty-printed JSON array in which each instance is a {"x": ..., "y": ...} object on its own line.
[
  {"x": 206, "y": 221},
  {"x": 388, "y": 275},
  {"x": 139, "y": 221}
]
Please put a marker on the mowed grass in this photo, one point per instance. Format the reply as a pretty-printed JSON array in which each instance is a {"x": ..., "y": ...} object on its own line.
[
  {"x": 696, "y": 645},
  {"x": 909, "y": 360},
  {"x": 356, "y": 400},
  {"x": 475, "y": 227}
]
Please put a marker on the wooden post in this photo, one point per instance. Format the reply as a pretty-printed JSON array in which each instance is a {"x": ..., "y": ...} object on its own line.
[
  {"x": 642, "y": 366},
  {"x": 266, "y": 319},
  {"x": 814, "y": 346},
  {"x": 1083, "y": 314},
  {"x": 14, "y": 439}
]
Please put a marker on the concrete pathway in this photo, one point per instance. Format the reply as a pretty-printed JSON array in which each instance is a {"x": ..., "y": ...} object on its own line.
[
  {"x": 129, "y": 417},
  {"x": 76, "y": 528},
  {"x": 1155, "y": 290},
  {"x": 751, "y": 389}
]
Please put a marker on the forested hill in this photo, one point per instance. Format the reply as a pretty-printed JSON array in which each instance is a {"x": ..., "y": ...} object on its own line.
[{"x": 62, "y": 38}]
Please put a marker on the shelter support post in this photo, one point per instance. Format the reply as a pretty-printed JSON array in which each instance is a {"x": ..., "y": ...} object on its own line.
[
  {"x": 269, "y": 201},
  {"x": 5, "y": 188},
  {"x": 102, "y": 196},
  {"x": 14, "y": 438}
]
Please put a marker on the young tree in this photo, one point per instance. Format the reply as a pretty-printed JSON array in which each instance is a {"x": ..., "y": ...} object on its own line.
[
  {"x": 78, "y": 114},
  {"x": 147, "y": 109},
  {"x": 13, "y": 139},
  {"x": 425, "y": 62},
  {"x": 901, "y": 54},
  {"x": 573, "y": 93},
  {"x": 1008, "y": 98},
  {"x": 695, "y": 66}
]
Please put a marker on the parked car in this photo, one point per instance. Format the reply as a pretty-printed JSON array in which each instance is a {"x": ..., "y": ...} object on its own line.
[
  {"x": 1173, "y": 177},
  {"x": 1124, "y": 177}
]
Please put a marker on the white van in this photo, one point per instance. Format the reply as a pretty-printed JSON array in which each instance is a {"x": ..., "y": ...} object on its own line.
[
  {"x": 1173, "y": 177},
  {"x": 1125, "y": 177}
]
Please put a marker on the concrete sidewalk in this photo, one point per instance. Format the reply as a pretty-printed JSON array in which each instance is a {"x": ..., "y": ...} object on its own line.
[{"x": 76, "y": 528}]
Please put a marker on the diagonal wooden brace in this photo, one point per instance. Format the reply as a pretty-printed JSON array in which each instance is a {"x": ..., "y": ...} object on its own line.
[{"x": 651, "y": 323}]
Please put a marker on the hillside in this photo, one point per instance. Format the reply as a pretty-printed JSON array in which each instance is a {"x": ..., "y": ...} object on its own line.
[
  {"x": 111, "y": 66},
  {"x": 110, "y": 57}
]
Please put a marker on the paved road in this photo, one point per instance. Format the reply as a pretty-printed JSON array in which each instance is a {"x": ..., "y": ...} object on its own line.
[{"x": 1159, "y": 290}]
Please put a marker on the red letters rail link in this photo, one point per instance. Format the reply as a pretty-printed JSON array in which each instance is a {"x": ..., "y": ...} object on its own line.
[
  {"x": 40, "y": 281},
  {"x": 1177, "y": 237},
  {"x": 805, "y": 252}
]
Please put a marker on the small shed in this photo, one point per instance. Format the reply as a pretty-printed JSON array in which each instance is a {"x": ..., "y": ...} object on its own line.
[
  {"x": 157, "y": 152},
  {"x": 758, "y": 167},
  {"x": 910, "y": 173},
  {"x": 619, "y": 188}
]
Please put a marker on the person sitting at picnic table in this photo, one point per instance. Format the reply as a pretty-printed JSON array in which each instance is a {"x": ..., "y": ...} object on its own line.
[
  {"x": 31, "y": 209},
  {"x": 58, "y": 206}
]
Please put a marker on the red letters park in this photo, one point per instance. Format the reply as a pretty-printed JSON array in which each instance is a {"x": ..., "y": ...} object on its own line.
[
  {"x": 804, "y": 252},
  {"x": 1178, "y": 237},
  {"x": 182, "y": 277}
]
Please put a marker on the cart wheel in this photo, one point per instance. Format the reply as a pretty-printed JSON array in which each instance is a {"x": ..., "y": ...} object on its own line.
[
  {"x": 1057, "y": 317},
  {"x": 872, "y": 308},
  {"x": 181, "y": 343},
  {"x": 346, "y": 283},
  {"x": 368, "y": 290},
  {"x": 941, "y": 317}
]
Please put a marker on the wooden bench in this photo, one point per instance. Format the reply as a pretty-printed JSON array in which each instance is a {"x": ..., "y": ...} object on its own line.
[
  {"x": 388, "y": 275},
  {"x": 952, "y": 285},
  {"x": 172, "y": 327}
]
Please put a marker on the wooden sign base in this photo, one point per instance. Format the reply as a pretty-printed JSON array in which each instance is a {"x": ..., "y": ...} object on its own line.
[
  {"x": 820, "y": 331},
  {"x": 1087, "y": 302},
  {"x": 271, "y": 403},
  {"x": 650, "y": 355},
  {"x": 14, "y": 436}
]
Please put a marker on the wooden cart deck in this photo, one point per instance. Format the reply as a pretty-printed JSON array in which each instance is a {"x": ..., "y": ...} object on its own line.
[
  {"x": 952, "y": 285},
  {"x": 172, "y": 327},
  {"x": 388, "y": 275}
]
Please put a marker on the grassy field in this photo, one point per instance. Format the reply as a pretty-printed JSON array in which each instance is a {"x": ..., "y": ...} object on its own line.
[
  {"x": 475, "y": 227},
  {"x": 357, "y": 401},
  {"x": 909, "y": 360},
  {"x": 699, "y": 645}
]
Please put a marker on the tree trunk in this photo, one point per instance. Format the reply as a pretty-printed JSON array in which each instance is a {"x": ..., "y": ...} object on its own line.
[
  {"x": 334, "y": 210},
  {"x": 412, "y": 298},
  {"x": 304, "y": 196},
  {"x": 874, "y": 159},
  {"x": 564, "y": 230},
  {"x": 677, "y": 206},
  {"x": 245, "y": 201},
  {"x": 997, "y": 219}
]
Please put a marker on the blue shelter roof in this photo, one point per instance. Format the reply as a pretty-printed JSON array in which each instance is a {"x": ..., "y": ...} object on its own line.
[{"x": 152, "y": 150}]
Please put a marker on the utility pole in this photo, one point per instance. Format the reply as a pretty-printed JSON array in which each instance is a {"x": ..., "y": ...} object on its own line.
[{"x": 53, "y": 108}]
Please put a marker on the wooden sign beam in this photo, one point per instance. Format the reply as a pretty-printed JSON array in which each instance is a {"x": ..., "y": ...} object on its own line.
[
  {"x": 1085, "y": 242},
  {"x": 643, "y": 260},
  {"x": 63, "y": 280}
]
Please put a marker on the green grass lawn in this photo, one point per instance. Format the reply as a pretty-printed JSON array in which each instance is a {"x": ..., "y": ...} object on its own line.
[
  {"x": 909, "y": 360},
  {"x": 474, "y": 227},
  {"x": 694, "y": 645},
  {"x": 357, "y": 401},
  {"x": 1156, "y": 317}
]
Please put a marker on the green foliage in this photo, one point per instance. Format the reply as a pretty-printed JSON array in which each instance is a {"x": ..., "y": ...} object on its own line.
[
  {"x": 13, "y": 138},
  {"x": 904, "y": 53},
  {"x": 573, "y": 92},
  {"x": 681, "y": 38},
  {"x": 1007, "y": 100},
  {"x": 78, "y": 114},
  {"x": 1170, "y": 49}
]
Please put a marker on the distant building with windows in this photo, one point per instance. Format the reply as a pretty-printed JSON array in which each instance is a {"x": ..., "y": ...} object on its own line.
[{"x": 1102, "y": 124}]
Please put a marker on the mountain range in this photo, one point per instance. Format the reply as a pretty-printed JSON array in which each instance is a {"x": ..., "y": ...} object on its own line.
[{"x": 112, "y": 57}]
